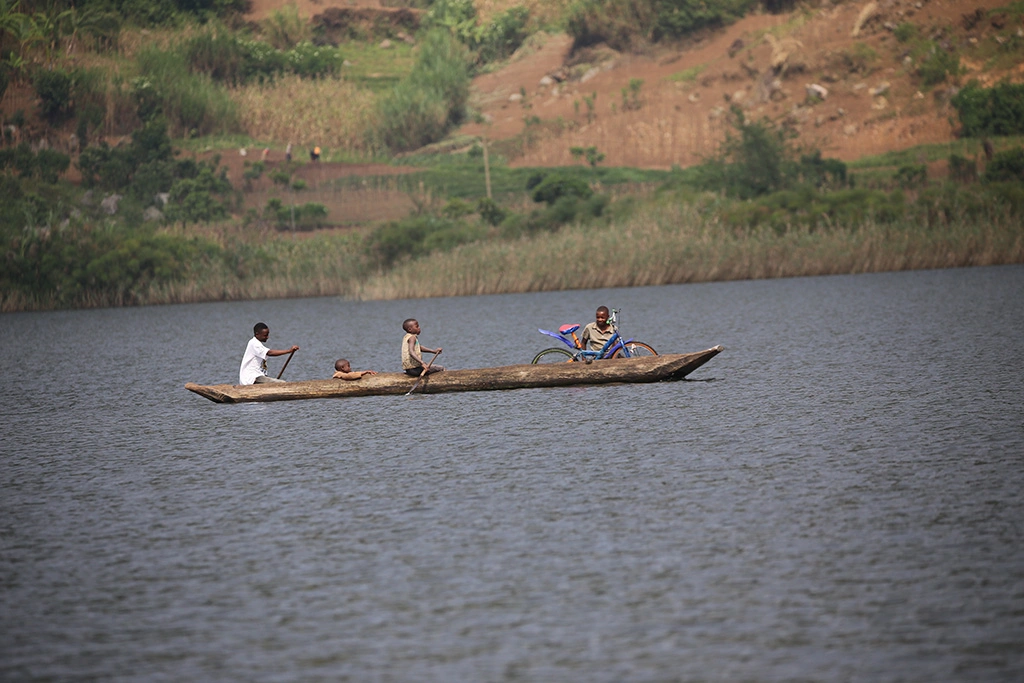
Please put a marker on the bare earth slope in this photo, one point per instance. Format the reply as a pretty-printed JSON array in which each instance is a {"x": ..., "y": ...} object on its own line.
[{"x": 763, "y": 63}]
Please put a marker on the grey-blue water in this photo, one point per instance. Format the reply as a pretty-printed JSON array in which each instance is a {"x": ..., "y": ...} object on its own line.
[{"x": 837, "y": 496}]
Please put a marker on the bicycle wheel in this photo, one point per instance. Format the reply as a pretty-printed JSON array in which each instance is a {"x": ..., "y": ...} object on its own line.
[
  {"x": 554, "y": 355},
  {"x": 636, "y": 349}
]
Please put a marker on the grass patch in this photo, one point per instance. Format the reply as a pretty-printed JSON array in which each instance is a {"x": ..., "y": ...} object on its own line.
[
  {"x": 375, "y": 68},
  {"x": 687, "y": 75}
]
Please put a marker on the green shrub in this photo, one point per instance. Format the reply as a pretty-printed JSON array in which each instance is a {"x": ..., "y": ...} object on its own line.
[
  {"x": 427, "y": 103},
  {"x": 191, "y": 103},
  {"x": 937, "y": 65},
  {"x": 490, "y": 212},
  {"x": 553, "y": 187},
  {"x": 50, "y": 164},
  {"x": 998, "y": 110},
  {"x": 962, "y": 169},
  {"x": 1006, "y": 166},
  {"x": 911, "y": 175},
  {"x": 503, "y": 36},
  {"x": 303, "y": 217},
  {"x": 54, "y": 90},
  {"x": 46, "y": 164},
  {"x": 905, "y": 32},
  {"x": 201, "y": 199},
  {"x": 758, "y": 159},
  {"x": 625, "y": 24},
  {"x": 417, "y": 236}
]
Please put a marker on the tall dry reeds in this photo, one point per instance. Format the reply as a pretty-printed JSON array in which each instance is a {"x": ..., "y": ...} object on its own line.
[
  {"x": 330, "y": 113},
  {"x": 676, "y": 244}
]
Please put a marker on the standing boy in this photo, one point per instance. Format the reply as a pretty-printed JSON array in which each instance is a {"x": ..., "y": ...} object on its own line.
[
  {"x": 412, "y": 352},
  {"x": 254, "y": 361}
]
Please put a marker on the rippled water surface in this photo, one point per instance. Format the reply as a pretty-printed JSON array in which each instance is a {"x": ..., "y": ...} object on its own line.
[{"x": 836, "y": 496}]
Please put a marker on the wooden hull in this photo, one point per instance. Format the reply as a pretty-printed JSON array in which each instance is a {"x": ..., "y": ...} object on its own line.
[{"x": 630, "y": 370}]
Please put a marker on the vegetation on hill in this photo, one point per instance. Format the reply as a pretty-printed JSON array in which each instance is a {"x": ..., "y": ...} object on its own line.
[{"x": 114, "y": 214}]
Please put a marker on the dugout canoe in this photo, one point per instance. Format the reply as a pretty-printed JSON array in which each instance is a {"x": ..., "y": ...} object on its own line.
[{"x": 626, "y": 370}]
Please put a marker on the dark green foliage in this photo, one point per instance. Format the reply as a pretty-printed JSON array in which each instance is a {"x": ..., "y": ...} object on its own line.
[
  {"x": 114, "y": 168},
  {"x": 1007, "y": 166},
  {"x": 911, "y": 175},
  {"x": 755, "y": 160},
  {"x": 962, "y": 169},
  {"x": 905, "y": 32},
  {"x": 54, "y": 90},
  {"x": 758, "y": 159},
  {"x": 226, "y": 57},
  {"x": 45, "y": 165},
  {"x": 76, "y": 265},
  {"x": 998, "y": 110},
  {"x": 552, "y": 187},
  {"x": 489, "y": 42},
  {"x": 164, "y": 12},
  {"x": 490, "y": 212},
  {"x": 200, "y": 199},
  {"x": 822, "y": 172},
  {"x": 50, "y": 164},
  {"x": 937, "y": 64},
  {"x": 811, "y": 207},
  {"x": 295, "y": 216},
  {"x": 623, "y": 24},
  {"x": 503, "y": 35},
  {"x": 417, "y": 236},
  {"x": 145, "y": 168}
]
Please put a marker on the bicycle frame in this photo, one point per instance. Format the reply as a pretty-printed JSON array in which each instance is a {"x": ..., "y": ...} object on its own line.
[{"x": 614, "y": 343}]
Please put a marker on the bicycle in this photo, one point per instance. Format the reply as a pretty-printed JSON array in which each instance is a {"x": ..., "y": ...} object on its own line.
[{"x": 615, "y": 347}]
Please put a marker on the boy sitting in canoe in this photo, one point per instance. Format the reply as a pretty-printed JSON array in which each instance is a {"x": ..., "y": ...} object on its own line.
[
  {"x": 412, "y": 352},
  {"x": 596, "y": 334},
  {"x": 343, "y": 370},
  {"x": 253, "y": 369}
]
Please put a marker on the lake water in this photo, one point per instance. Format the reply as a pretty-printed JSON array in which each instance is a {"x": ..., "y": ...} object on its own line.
[{"x": 836, "y": 496}]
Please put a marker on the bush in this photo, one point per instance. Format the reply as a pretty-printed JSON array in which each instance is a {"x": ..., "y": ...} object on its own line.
[
  {"x": 54, "y": 90},
  {"x": 911, "y": 175},
  {"x": 1006, "y": 166},
  {"x": 757, "y": 160},
  {"x": 937, "y": 65},
  {"x": 427, "y": 103},
  {"x": 625, "y": 24},
  {"x": 201, "y": 199},
  {"x": 191, "y": 103},
  {"x": 417, "y": 236},
  {"x": 75, "y": 265},
  {"x": 46, "y": 164},
  {"x": 962, "y": 169},
  {"x": 990, "y": 111},
  {"x": 555, "y": 187}
]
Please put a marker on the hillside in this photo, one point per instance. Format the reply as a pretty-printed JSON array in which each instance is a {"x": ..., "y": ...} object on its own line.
[
  {"x": 764, "y": 63},
  {"x": 547, "y": 99}
]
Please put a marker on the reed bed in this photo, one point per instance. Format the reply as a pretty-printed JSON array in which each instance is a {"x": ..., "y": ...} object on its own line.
[
  {"x": 331, "y": 113},
  {"x": 676, "y": 244}
]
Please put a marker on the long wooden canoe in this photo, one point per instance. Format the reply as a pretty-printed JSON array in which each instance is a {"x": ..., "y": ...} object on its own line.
[{"x": 646, "y": 369}]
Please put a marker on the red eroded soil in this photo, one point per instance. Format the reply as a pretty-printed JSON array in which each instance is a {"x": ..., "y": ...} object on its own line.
[
  {"x": 678, "y": 120},
  {"x": 679, "y": 114}
]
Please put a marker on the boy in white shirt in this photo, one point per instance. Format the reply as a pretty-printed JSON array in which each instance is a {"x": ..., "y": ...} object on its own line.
[{"x": 253, "y": 369}]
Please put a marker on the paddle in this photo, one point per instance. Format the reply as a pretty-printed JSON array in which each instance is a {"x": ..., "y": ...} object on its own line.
[
  {"x": 285, "y": 364},
  {"x": 424, "y": 373}
]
